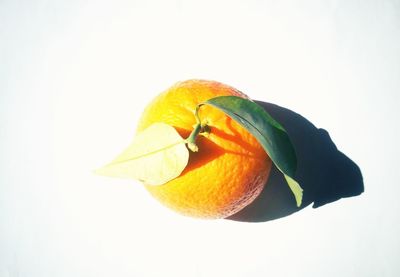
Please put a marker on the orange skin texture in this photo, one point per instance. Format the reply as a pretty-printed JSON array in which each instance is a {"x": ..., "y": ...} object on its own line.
[{"x": 229, "y": 170}]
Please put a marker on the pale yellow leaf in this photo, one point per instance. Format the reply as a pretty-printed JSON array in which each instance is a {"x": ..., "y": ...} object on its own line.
[{"x": 157, "y": 155}]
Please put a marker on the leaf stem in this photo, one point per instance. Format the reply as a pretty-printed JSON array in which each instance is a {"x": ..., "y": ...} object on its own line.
[
  {"x": 196, "y": 114},
  {"x": 191, "y": 140},
  {"x": 198, "y": 128}
]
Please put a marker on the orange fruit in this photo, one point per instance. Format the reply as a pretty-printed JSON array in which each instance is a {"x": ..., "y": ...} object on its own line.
[{"x": 230, "y": 168}]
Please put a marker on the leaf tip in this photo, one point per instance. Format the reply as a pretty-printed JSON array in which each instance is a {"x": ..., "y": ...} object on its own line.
[
  {"x": 296, "y": 189},
  {"x": 99, "y": 171}
]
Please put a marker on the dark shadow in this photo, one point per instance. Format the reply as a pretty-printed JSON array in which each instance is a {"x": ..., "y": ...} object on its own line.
[
  {"x": 208, "y": 150},
  {"x": 325, "y": 173}
]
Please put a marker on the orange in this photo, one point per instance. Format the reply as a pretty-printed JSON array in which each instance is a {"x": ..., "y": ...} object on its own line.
[{"x": 230, "y": 168}]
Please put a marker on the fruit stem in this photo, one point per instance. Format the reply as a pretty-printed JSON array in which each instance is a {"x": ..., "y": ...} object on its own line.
[
  {"x": 196, "y": 114},
  {"x": 198, "y": 128},
  {"x": 191, "y": 140}
]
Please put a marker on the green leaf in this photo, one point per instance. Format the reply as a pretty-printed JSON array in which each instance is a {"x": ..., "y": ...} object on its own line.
[
  {"x": 157, "y": 155},
  {"x": 271, "y": 135}
]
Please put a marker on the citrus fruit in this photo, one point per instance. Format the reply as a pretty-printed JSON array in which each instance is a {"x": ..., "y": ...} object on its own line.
[{"x": 229, "y": 169}]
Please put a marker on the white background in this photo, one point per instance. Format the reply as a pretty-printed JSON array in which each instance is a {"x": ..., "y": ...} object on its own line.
[{"x": 76, "y": 75}]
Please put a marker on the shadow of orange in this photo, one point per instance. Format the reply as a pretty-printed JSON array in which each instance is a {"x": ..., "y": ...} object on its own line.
[{"x": 324, "y": 172}]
